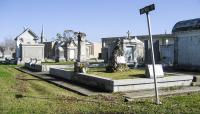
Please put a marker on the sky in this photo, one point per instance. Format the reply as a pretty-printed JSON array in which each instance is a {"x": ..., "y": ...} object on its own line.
[{"x": 96, "y": 18}]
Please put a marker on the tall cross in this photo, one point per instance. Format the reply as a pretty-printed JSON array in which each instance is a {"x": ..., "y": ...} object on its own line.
[{"x": 128, "y": 34}]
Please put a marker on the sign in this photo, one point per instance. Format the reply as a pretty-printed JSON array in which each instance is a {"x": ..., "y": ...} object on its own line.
[
  {"x": 147, "y": 9},
  {"x": 121, "y": 59},
  {"x": 158, "y": 71}
]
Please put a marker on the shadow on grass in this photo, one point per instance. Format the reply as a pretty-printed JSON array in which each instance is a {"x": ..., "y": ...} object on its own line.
[
  {"x": 32, "y": 79},
  {"x": 18, "y": 96},
  {"x": 102, "y": 71},
  {"x": 61, "y": 97},
  {"x": 28, "y": 79},
  {"x": 138, "y": 76}
]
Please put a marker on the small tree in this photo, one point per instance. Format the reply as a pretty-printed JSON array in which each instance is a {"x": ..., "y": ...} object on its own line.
[{"x": 113, "y": 64}]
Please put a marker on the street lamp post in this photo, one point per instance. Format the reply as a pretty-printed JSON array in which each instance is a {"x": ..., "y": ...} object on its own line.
[{"x": 146, "y": 10}]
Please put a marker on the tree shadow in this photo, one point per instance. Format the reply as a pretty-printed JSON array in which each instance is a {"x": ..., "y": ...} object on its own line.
[
  {"x": 33, "y": 79},
  {"x": 138, "y": 76},
  {"x": 28, "y": 79}
]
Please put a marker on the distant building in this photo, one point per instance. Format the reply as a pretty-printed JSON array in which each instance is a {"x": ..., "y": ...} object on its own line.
[
  {"x": 27, "y": 47},
  {"x": 67, "y": 50},
  {"x": 187, "y": 44}
]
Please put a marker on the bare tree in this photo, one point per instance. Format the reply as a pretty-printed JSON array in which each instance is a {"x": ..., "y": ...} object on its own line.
[
  {"x": 67, "y": 35},
  {"x": 7, "y": 44}
]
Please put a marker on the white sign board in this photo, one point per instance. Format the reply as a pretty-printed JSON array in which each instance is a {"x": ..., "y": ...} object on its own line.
[
  {"x": 158, "y": 71},
  {"x": 121, "y": 59}
]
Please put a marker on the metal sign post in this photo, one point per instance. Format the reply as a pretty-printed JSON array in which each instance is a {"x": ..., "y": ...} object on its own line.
[{"x": 146, "y": 10}]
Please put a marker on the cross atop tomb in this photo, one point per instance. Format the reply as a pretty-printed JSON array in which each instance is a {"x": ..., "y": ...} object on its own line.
[{"x": 128, "y": 34}]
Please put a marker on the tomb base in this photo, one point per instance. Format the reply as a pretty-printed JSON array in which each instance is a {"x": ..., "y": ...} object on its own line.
[
  {"x": 81, "y": 67},
  {"x": 60, "y": 59}
]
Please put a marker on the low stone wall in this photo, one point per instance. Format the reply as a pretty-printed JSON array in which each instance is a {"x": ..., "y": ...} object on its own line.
[
  {"x": 109, "y": 85},
  {"x": 45, "y": 68},
  {"x": 61, "y": 73},
  {"x": 103, "y": 84},
  {"x": 147, "y": 83},
  {"x": 93, "y": 65}
]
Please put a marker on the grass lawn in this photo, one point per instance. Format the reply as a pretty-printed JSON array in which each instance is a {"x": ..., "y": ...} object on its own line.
[
  {"x": 59, "y": 63},
  {"x": 131, "y": 73},
  {"x": 24, "y": 94}
]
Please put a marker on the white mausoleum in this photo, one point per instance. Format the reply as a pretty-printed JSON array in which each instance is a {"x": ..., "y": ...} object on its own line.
[
  {"x": 187, "y": 44},
  {"x": 27, "y": 47}
]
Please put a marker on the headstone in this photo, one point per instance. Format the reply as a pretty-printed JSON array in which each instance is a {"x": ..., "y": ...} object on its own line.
[
  {"x": 158, "y": 71},
  {"x": 121, "y": 59},
  {"x": 60, "y": 54}
]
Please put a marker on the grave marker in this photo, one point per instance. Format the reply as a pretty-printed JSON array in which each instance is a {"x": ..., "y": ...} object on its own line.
[{"x": 158, "y": 71}]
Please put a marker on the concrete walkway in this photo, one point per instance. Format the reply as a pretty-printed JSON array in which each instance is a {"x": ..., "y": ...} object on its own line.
[
  {"x": 80, "y": 89},
  {"x": 130, "y": 96}
]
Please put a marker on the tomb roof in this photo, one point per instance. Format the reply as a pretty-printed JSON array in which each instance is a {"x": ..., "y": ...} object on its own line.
[
  {"x": 28, "y": 30},
  {"x": 142, "y": 37},
  {"x": 187, "y": 25}
]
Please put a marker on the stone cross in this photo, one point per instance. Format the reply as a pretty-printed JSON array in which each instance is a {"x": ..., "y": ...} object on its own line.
[
  {"x": 81, "y": 65},
  {"x": 81, "y": 56},
  {"x": 128, "y": 34}
]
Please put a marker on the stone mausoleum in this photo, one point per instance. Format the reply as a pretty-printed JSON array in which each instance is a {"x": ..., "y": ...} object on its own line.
[
  {"x": 187, "y": 44},
  {"x": 28, "y": 47},
  {"x": 133, "y": 49},
  {"x": 163, "y": 48}
]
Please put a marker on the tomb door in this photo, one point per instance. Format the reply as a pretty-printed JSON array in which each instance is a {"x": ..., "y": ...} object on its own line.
[
  {"x": 71, "y": 54},
  {"x": 129, "y": 56},
  {"x": 87, "y": 52}
]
